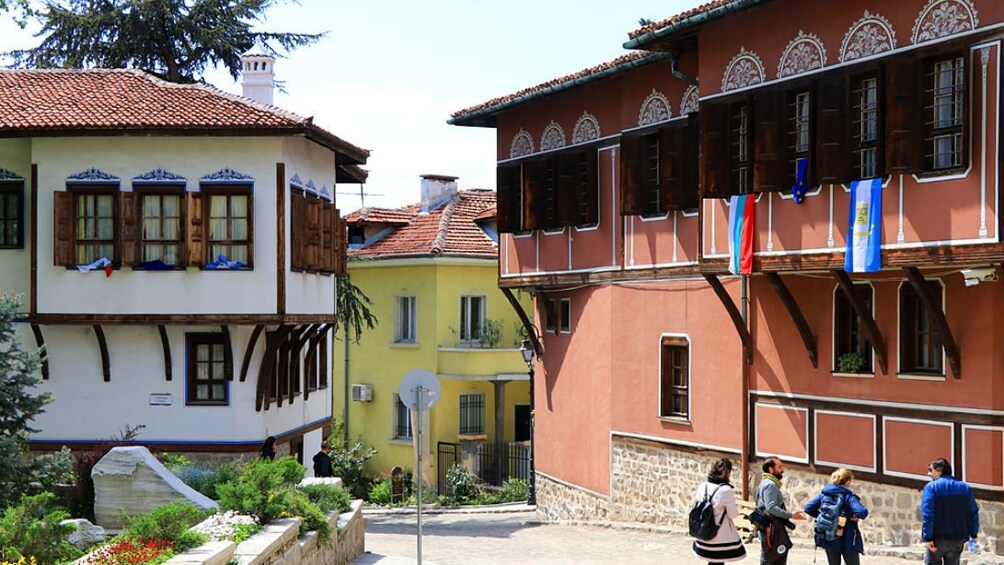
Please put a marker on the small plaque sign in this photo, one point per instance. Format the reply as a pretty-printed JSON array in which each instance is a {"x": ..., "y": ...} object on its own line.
[{"x": 161, "y": 399}]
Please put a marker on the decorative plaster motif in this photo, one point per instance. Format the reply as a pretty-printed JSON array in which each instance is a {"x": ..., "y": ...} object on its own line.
[
  {"x": 325, "y": 193},
  {"x": 227, "y": 174},
  {"x": 654, "y": 109},
  {"x": 159, "y": 175},
  {"x": 310, "y": 187},
  {"x": 745, "y": 69},
  {"x": 691, "y": 101},
  {"x": 586, "y": 128},
  {"x": 870, "y": 35},
  {"x": 93, "y": 175},
  {"x": 9, "y": 175},
  {"x": 295, "y": 181},
  {"x": 804, "y": 53},
  {"x": 941, "y": 18},
  {"x": 553, "y": 137},
  {"x": 522, "y": 144}
]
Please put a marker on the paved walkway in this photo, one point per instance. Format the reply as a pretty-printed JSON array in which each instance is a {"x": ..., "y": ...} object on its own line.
[{"x": 515, "y": 537}]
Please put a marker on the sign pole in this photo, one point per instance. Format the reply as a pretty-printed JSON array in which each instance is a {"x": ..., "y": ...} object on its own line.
[{"x": 418, "y": 455}]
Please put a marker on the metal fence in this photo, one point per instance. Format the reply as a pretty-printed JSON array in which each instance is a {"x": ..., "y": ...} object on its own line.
[
  {"x": 500, "y": 461},
  {"x": 448, "y": 455}
]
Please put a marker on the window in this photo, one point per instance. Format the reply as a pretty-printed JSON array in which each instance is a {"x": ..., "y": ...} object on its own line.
[
  {"x": 472, "y": 414},
  {"x": 161, "y": 239},
  {"x": 402, "y": 420},
  {"x": 865, "y": 132},
  {"x": 799, "y": 130},
  {"x": 659, "y": 170},
  {"x": 472, "y": 316},
  {"x": 848, "y": 338},
  {"x": 650, "y": 175},
  {"x": 919, "y": 343},
  {"x": 945, "y": 105},
  {"x": 206, "y": 379},
  {"x": 585, "y": 188},
  {"x": 566, "y": 315},
  {"x": 674, "y": 378},
  {"x": 740, "y": 171},
  {"x": 95, "y": 226},
  {"x": 11, "y": 214},
  {"x": 229, "y": 214},
  {"x": 550, "y": 315},
  {"x": 404, "y": 330}
]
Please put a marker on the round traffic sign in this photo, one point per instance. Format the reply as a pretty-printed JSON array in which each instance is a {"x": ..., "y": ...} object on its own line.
[{"x": 419, "y": 379}]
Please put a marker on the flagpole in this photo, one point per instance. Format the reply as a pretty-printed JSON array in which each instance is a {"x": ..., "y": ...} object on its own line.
[{"x": 745, "y": 464}]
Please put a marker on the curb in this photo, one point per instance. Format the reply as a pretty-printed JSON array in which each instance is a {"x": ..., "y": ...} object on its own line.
[{"x": 509, "y": 508}]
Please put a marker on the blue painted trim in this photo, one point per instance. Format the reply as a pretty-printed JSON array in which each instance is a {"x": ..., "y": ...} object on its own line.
[{"x": 178, "y": 442}]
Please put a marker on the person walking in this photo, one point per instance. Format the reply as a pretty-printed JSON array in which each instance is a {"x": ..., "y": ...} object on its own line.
[
  {"x": 949, "y": 515},
  {"x": 771, "y": 503},
  {"x": 322, "y": 461},
  {"x": 726, "y": 545},
  {"x": 835, "y": 504},
  {"x": 268, "y": 449}
]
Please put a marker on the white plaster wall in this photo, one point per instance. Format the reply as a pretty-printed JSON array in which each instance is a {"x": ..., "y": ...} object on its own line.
[
  {"x": 15, "y": 264},
  {"x": 85, "y": 408},
  {"x": 311, "y": 445}
]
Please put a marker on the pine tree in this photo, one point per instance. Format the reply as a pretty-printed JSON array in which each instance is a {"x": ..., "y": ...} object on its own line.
[{"x": 173, "y": 39}]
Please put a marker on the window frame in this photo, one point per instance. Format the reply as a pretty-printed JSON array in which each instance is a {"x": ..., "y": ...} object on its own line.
[
  {"x": 77, "y": 190},
  {"x": 15, "y": 187},
  {"x": 550, "y": 315},
  {"x": 564, "y": 311},
  {"x": 799, "y": 97},
  {"x": 208, "y": 191},
  {"x": 160, "y": 190},
  {"x": 675, "y": 341},
  {"x": 465, "y": 317},
  {"x": 912, "y": 369},
  {"x": 481, "y": 408},
  {"x": 396, "y": 425},
  {"x": 838, "y": 295},
  {"x": 931, "y": 132},
  {"x": 740, "y": 145},
  {"x": 192, "y": 341},
  {"x": 855, "y": 109},
  {"x": 398, "y": 338}
]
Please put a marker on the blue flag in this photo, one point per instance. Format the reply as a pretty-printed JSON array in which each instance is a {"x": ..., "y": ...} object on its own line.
[{"x": 864, "y": 232}]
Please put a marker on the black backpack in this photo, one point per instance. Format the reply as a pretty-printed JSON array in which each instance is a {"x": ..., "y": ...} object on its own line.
[{"x": 703, "y": 525}]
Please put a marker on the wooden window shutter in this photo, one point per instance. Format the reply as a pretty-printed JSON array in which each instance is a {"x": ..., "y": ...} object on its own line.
[
  {"x": 129, "y": 230},
  {"x": 671, "y": 183},
  {"x": 590, "y": 193},
  {"x": 63, "y": 224},
  {"x": 313, "y": 234},
  {"x": 690, "y": 170},
  {"x": 196, "y": 230},
  {"x": 507, "y": 198},
  {"x": 833, "y": 153},
  {"x": 297, "y": 225},
  {"x": 328, "y": 221},
  {"x": 533, "y": 191},
  {"x": 714, "y": 128},
  {"x": 565, "y": 165},
  {"x": 632, "y": 177},
  {"x": 904, "y": 115},
  {"x": 769, "y": 139},
  {"x": 341, "y": 250}
]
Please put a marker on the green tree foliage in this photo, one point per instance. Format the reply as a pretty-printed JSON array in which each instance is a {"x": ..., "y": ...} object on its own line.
[
  {"x": 353, "y": 310},
  {"x": 173, "y": 39}
]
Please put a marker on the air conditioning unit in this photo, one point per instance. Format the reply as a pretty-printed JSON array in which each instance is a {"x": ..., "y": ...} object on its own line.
[{"x": 362, "y": 393}]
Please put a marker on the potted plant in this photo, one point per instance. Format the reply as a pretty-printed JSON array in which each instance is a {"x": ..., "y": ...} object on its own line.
[{"x": 851, "y": 362}]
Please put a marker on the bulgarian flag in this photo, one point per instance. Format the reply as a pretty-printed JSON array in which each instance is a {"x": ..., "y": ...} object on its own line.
[
  {"x": 102, "y": 263},
  {"x": 742, "y": 212}
]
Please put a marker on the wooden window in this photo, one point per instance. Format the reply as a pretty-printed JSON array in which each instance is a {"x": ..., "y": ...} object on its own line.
[
  {"x": 229, "y": 213},
  {"x": 206, "y": 380},
  {"x": 866, "y": 127},
  {"x": 945, "y": 109},
  {"x": 716, "y": 151},
  {"x": 95, "y": 218},
  {"x": 161, "y": 213},
  {"x": 404, "y": 329},
  {"x": 904, "y": 135},
  {"x": 674, "y": 378},
  {"x": 740, "y": 149},
  {"x": 472, "y": 414},
  {"x": 770, "y": 144},
  {"x": 472, "y": 317},
  {"x": 402, "y": 420},
  {"x": 509, "y": 196},
  {"x": 566, "y": 315},
  {"x": 650, "y": 175},
  {"x": 550, "y": 315},
  {"x": 848, "y": 337},
  {"x": 11, "y": 214},
  {"x": 799, "y": 128},
  {"x": 587, "y": 188},
  {"x": 919, "y": 342},
  {"x": 298, "y": 229}
]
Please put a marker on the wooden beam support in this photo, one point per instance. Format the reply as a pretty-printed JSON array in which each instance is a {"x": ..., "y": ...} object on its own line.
[
  {"x": 263, "y": 388},
  {"x": 33, "y": 243},
  {"x": 42, "y": 353},
  {"x": 228, "y": 353},
  {"x": 868, "y": 325},
  {"x": 937, "y": 313},
  {"x": 307, "y": 336},
  {"x": 531, "y": 331},
  {"x": 166, "y": 346},
  {"x": 294, "y": 358},
  {"x": 255, "y": 334},
  {"x": 808, "y": 340},
  {"x": 280, "y": 238},
  {"x": 737, "y": 318},
  {"x": 311, "y": 351},
  {"x": 106, "y": 368}
]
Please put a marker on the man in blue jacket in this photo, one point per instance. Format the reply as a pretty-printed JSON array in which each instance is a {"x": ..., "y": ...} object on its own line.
[{"x": 949, "y": 513}]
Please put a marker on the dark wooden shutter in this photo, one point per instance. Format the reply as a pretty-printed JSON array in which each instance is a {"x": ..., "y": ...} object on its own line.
[
  {"x": 589, "y": 187},
  {"x": 196, "y": 231},
  {"x": 671, "y": 187},
  {"x": 714, "y": 127},
  {"x": 565, "y": 165},
  {"x": 769, "y": 142},
  {"x": 129, "y": 232},
  {"x": 341, "y": 251},
  {"x": 632, "y": 150},
  {"x": 329, "y": 217},
  {"x": 833, "y": 151},
  {"x": 533, "y": 194},
  {"x": 690, "y": 170},
  {"x": 297, "y": 222},
  {"x": 507, "y": 198},
  {"x": 63, "y": 252},
  {"x": 314, "y": 233},
  {"x": 904, "y": 115}
]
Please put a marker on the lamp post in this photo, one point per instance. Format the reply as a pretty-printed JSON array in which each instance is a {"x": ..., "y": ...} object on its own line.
[{"x": 527, "y": 351}]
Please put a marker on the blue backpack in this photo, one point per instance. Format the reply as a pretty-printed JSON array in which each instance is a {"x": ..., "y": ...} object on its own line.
[{"x": 828, "y": 520}]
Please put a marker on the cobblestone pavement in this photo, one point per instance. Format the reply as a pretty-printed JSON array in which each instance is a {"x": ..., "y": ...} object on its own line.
[{"x": 516, "y": 538}]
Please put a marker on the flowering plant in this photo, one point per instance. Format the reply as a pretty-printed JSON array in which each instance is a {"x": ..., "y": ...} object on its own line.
[{"x": 126, "y": 550}]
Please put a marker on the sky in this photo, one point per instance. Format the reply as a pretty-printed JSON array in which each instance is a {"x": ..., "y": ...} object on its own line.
[{"x": 389, "y": 73}]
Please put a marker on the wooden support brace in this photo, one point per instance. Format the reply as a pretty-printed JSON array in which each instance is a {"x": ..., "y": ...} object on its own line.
[
  {"x": 166, "y": 346},
  {"x": 937, "y": 313},
  {"x": 263, "y": 390},
  {"x": 307, "y": 336},
  {"x": 531, "y": 331},
  {"x": 283, "y": 364},
  {"x": 228, "y": 353},
  {"x": 106, "y": 368},
  {"x": 808, "y": 340},
  {"x": 42, "y": 353},
  {"x": 737, "y": 318},
  {"x": 312, "y": 350},
  {"x": 294, "y": 358},
  {"x": 255, "y": 334},
  {"x": 868, "y": 325}
]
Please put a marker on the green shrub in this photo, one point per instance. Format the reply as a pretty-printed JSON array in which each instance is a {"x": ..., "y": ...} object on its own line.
[
  {"x": 32, "y": 529},
  {"x": 348, "y": 461},
  {"x": 169, "y": 523},
  {"x": 205, "y": 480},
  {"x": 329, "y": 498},
  {"x": 851, "y": 362},
  {"x": 259, "y": 491},
  {"x": 299, "y": 506},
  {"x": 244, "y": 531},
  {"x": 514, "y": 490},
  {"x": 380, "y": 492},
  {"x": 463, "y": 484},
  {"x": 172, "y": 460}
]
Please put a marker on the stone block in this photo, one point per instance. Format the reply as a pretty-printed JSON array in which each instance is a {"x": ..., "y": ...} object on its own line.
[{"x": 86, "y": 534}]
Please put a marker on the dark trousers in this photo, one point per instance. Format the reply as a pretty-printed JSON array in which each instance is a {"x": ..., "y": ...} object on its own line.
[
  {"x": 849, "y": 556},
  {"x": 781, "y": 561},
  {"x": 949, "y": 552}
]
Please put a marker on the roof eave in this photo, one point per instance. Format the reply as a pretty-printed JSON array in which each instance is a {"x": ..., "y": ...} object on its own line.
[{"x": 673, "y": 31}]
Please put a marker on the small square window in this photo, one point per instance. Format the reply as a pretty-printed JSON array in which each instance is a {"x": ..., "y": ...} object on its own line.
[
  {"x": 674, "y": 378},
  {"x": 206, "y": 380},
  {"x": 11, "y": 214}
]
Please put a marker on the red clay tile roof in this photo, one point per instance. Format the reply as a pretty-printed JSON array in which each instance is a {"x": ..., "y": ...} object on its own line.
[
  {"x": 449, "y": 230},
  {"x": 633, "y": 59},
  {"x": 488, "y": 214},
  {"x": 683, "y": 19},
  {"x": 103, "y": 101}
]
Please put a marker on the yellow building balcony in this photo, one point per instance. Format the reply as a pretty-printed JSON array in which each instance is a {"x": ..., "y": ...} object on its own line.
[{"x": 477, "y": 364}]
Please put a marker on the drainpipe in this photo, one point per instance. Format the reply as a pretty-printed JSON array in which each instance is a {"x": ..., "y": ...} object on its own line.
[
  {"x": 745, "y": 465},
  {"x": 674, "y": 69},
  {"x": 345, "y": 393}
]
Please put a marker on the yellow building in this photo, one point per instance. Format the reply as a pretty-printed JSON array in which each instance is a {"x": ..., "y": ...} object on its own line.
[{"x": 431, "y": 270}]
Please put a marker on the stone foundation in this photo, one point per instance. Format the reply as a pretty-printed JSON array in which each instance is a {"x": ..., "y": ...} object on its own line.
[{"x": 557, "y": 501}]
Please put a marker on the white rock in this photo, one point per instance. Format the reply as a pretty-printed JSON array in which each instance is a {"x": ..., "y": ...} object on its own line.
[
  {"x": 86, "y": 535},
  {"x": 333, "y": 481}
]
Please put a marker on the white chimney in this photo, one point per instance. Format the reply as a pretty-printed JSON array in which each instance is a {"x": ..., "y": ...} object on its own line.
[
  {"x": 436, "y": 191},
  {"x": 258, "y": 74}
]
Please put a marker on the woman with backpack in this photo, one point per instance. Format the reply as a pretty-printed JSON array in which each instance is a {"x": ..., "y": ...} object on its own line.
[
  {"x": 837, "y": 511},
  {"x": 725, "y": 546}
]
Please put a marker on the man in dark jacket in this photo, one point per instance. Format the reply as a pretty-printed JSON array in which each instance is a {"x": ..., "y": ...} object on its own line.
[
  {"x": 949, "y": 513},
  {"x": 770, "y": 501},
  {"x": 322, "y": 462}
]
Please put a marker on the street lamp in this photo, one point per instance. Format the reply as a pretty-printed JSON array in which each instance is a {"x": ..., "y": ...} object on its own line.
[{"x": 527, "y": 351}]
